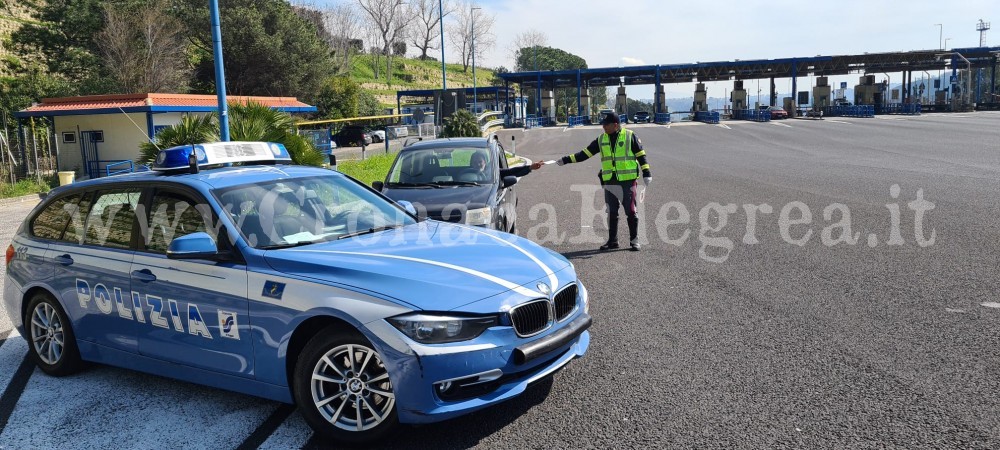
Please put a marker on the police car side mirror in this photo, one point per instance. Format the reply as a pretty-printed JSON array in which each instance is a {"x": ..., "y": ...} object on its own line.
[
  {"x": 377, "y": 185},
  {"x": 194, "y": 246},
  {"x": 407, "y": 206},
  {"x": 509, "y": 181}
]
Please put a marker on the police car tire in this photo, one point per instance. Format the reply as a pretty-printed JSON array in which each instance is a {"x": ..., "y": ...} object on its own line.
[
  {"x": 315, "y": 350},
  {"x": 68, "y": 360}
]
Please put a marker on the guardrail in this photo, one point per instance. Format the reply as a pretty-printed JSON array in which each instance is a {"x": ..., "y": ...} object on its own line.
[
  {"x": 707, "y": 116},
  {"x": 849, "y": 111},
  {"x": 661, "y": 118},
  {"x": 575, "y": 121},
  {"x": 910, "y": 109},
  {"x": 755, "y": 115},
  {"x": 532, "y": 122},
  {"x": 113, "y": 167}
]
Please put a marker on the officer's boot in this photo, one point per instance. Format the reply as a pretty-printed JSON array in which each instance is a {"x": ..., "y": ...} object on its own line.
[
  {"x": 612, "y": 234},
  {"x": 633, "y": 233}
]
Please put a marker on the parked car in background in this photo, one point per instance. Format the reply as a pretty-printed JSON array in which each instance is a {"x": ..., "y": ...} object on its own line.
[
  {"x": 841, "y": 102},
  {"x": 777, "y": 112},
  {"x": 641, "y": 117},
  {"x": 377, "y": 134},
  {"x": 352, "y": 136}
]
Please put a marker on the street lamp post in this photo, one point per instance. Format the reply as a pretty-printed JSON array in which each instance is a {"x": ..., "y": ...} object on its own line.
[
  {"x": 220, "y": 72},
  {"x": 444, "y": 78},
  {"x": 475, "y": 101},
  {"x": 940, "y": 35}
]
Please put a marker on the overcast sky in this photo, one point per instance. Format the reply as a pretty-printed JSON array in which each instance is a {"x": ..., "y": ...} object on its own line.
[{"x": 649, "y": 32}]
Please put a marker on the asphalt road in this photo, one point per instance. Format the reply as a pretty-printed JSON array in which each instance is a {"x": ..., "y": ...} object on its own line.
[{"x": 728, "y": 339}]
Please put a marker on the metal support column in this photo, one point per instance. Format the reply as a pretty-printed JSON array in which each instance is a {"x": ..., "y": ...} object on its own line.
[
  {"x": 579, "y": 102},
  {"x": 656, "y": 90},
  {"x": 774, "y": 95},
  {"x": 993, "y": 79},
  {"x": 795, "y": 90}
]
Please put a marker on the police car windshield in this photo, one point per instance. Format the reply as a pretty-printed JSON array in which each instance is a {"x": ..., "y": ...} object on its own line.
[{"x": 295, "y": 212}]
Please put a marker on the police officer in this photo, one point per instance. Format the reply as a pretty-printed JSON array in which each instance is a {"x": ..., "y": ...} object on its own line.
[{"x": 622, "y": 159}]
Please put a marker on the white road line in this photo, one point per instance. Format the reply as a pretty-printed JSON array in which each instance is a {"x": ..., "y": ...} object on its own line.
[
  {"x": 838, "y": 121},
  {"x": 781, "y": 124},
  {"x": 293, "y": 433},
  {"x": 724, "y": 126}
]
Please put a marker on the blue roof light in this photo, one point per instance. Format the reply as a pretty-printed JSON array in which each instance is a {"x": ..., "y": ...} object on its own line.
[{"x": 216, "y": 153}]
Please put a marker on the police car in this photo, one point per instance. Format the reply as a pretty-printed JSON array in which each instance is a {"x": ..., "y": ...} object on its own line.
[{"x": 229, "y": 267}]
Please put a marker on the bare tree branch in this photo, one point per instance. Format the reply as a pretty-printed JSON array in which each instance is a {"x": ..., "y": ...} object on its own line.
[
  {"x": 344, "y": 25},
  {"x": 526, "y": 39},
  {"x": 388, "y": 19},
  {"x": 461, "y": 32},
  {"x": 425, "y": 29},
  {"x": 143, "y": 50}
]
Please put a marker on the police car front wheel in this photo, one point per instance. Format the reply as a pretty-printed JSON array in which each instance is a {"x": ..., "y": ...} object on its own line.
[
  {"x": 343, "y": 390},
  {"x": 51, "y": 341}
]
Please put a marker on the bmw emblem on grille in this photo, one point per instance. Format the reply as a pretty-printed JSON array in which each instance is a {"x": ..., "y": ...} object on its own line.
[{"x": 544, "y": 288}]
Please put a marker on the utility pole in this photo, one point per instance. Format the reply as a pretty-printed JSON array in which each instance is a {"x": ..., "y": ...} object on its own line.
[{"x": 474, "y": 99}]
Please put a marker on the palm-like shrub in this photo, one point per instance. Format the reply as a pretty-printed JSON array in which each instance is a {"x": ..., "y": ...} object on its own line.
[
  {"x": 461, "y": 124},
  {"x": 247, "y": 122}
]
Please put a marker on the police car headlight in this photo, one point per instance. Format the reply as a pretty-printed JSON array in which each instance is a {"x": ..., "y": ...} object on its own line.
[
  {"x": 479, "y": 216},
  {"x": 439, "y": 329},
  {"x": 584, "y": 297}
]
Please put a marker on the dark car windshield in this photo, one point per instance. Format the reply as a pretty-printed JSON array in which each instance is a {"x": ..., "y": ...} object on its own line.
[{"x": 442, "y": 166}]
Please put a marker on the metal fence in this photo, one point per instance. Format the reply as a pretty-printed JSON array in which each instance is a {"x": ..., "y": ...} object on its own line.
[{"x": 28, "y": 152}]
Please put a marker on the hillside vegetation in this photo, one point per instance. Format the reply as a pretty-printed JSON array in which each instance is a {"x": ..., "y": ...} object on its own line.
[{"x": 412, "y": 74}]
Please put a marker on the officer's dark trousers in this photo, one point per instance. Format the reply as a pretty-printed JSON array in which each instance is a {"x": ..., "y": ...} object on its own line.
[{"x": 621, "y": 194}]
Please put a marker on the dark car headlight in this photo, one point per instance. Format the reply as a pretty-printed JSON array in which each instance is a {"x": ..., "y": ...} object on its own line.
[{"x": 439, "y": 329}]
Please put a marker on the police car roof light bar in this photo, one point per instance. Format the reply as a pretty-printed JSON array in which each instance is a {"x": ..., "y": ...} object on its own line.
[{"x": 220, "y": 153}]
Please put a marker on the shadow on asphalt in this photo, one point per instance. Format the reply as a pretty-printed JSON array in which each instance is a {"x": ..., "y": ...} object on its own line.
[
  {"x": 463, "y": 432},
  {"x": 585, "y": 254}
]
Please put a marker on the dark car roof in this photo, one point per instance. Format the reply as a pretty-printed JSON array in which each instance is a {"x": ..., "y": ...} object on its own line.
[{"x": 450, "y": 142}]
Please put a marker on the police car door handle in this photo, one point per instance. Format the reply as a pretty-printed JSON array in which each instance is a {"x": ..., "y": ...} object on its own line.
[
  {"x": 144, "y": 275},
  {"x": 63, "y": 259}
]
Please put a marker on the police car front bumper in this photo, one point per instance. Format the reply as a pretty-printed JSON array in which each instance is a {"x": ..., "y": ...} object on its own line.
[{"x": 434, "y": 383}]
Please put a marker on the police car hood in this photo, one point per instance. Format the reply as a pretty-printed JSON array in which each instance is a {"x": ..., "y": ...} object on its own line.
[{"x": 430, "y": 265}]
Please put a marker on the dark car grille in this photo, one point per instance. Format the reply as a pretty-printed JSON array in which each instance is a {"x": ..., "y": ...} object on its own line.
[
  {"x": 452, "y": 216},
  {"x": 565, "y": 302},
  {"x": 531, "y": 318}
]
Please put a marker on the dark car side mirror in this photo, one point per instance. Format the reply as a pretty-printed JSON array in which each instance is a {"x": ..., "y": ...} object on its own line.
[
  {"x": 509, "y": 181},
  {"x": 377, "y": 185}
]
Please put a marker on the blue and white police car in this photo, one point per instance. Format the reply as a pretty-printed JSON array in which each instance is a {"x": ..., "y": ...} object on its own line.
[{"x": 229, "y": 267}]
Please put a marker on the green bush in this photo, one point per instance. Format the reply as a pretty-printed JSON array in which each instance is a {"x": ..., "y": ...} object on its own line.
[
  {"x": 26, "y": 187},
  {"x": 461, "y": 124}
]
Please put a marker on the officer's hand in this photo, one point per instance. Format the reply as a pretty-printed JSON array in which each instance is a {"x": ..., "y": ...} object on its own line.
[
  {"x": 537, "y": 165},
  {"x": 560, "y": 162},
  {"x": 647, "y": 180}
]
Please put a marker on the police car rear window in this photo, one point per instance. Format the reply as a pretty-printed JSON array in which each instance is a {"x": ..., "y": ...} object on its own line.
[{"x": 51, "y": 222}]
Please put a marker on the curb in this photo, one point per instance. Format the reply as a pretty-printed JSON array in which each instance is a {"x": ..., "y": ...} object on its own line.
[{"x": 23, "y": 198}]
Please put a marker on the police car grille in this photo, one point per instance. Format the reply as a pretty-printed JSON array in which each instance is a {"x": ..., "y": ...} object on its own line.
[
  {"x": 565, "y": 302},
  {"x": 530, "y": 318}
]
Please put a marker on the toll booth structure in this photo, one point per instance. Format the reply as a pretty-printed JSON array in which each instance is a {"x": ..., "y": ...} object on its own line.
[{"x": 974, "y": 59}]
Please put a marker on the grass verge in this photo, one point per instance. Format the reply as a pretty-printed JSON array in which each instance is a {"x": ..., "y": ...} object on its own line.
[{"x": 26, "y": 187}]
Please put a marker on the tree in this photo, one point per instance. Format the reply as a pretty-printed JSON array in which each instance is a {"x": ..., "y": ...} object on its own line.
[
  {"x": 144, "y": 49},
  {"x": 497, "y": 81},
  {"x": 338, "y": 99},
  {"x": 343, "y": 25},
  {"x": 65, "y": 38},
  {"x": 387, "y": 20},
  {"x": 425, "y": 29},
  {"x": 461, "y": 124},
  {"x": 527, "y": 39},
  {"x": 462, "y": 32},
  {"x": 549, "y": 58},
  {"x": 268, "y": 49}
]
